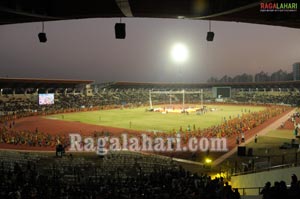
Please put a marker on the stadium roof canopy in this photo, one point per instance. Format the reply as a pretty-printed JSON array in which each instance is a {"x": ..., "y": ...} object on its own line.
[
  {"x": 238, "y": 85},
  {"x": 41, "y": 83},
  {"x": 20, "y": 11}
]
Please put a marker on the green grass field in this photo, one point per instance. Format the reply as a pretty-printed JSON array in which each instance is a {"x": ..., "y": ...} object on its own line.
[{"x": 149, "y": 121}]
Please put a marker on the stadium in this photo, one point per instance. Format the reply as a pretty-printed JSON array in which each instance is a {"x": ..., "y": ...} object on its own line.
[{"x": 78, "y": 138}]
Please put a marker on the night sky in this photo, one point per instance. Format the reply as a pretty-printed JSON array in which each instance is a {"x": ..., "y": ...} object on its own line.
[{"x": 87, "y": 49}]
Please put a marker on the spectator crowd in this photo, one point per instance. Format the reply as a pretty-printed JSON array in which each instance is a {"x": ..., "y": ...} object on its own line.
[{"x": 85, "y": 179}]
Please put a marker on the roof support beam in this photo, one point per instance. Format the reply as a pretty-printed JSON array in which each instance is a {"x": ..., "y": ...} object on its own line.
[
  {"x": 125, "y": 7},
  {"x": 22, "y": 13}
]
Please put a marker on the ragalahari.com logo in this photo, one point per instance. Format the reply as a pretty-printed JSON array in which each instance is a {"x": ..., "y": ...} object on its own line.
[
  {"x": 102, "y": 145},
  {"x": 278, "y": 7}
]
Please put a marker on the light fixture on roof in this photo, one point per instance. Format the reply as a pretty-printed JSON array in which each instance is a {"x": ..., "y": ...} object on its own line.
[
  {"x": 210, "y": 35},
  {"x": 120, "y": 30},
  {"x": 42, "y": 35}
]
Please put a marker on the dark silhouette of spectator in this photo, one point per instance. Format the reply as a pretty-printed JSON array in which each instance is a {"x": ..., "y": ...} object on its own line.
[
  {"x": 266, "y": 192},
  {"x": 236, "y": 194},
  {"x": 275, "y": 191},
  {"x": 283, "y": 192},
  {"x": 294, "y": 191},
  {"x": 228, "y": 193}
]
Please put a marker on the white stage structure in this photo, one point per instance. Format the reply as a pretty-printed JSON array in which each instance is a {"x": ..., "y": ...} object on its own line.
[{"x": 182, "y": 92}]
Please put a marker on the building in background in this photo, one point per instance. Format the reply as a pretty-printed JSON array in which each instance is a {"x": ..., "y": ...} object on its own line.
[{"x": 296, "y": 71}]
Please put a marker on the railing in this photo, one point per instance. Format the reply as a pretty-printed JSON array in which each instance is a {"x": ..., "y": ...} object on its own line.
[
  {"x": 246, "y": 191},
  {"x": 264, "y": 163},
  {"x": 264, "y": 169},
  {"x": 252, "y": 190}
]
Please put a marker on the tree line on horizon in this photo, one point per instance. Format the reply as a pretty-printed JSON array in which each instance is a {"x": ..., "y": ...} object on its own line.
[{"x": 262, "y": 76}]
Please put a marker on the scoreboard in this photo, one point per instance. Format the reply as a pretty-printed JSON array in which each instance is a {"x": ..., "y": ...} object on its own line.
[{"x": 221, "y": 92}]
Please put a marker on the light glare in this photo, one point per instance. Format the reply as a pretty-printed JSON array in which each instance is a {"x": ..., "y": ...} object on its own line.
[{"x": 179, "y": 52}]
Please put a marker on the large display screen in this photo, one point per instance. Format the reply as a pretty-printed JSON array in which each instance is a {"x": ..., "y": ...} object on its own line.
[
  {"x": 46, "y": 99},
  {"x": 223, "y": 92}
]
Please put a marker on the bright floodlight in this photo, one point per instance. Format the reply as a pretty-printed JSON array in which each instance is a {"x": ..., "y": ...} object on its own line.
[
  {"x": 208, "y": 160},
  {"x": 179, "y": 52}
]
